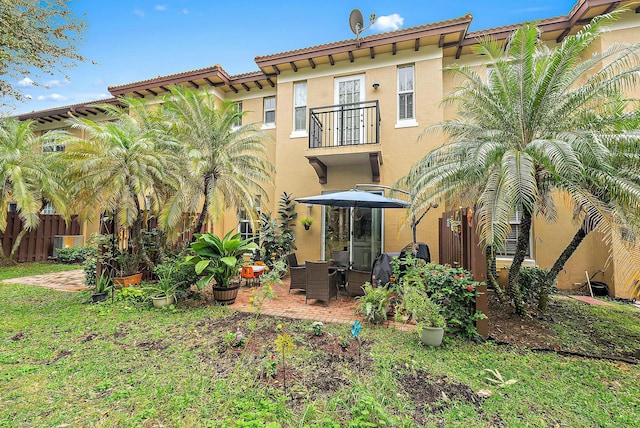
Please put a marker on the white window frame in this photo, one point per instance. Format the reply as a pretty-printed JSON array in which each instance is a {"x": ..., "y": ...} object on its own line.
[
  {"x": 50, "y": 145},
  {"x": 238, "y": 123},
  {"x": 407, "y": 121},
  {"x": 302, "y": 131},
  {"x": 48, "y": 209},
  {"x": 514, "y": 221},
  {"x": 269, "y": 125},
  {"x": 253, "y": 229}
]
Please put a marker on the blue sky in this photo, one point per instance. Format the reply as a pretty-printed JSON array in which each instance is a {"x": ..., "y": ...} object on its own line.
[{"x": 132, "y": 40}]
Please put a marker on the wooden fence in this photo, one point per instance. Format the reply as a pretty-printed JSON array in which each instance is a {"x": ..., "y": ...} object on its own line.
[
  {"x": 36, "y": 245},
  {"x": 459, "y": 245}
]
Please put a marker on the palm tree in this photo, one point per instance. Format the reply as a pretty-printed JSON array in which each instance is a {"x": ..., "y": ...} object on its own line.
[
  {"x": 228, "y": 162},
  {"x": 26, "y": 178},
  {"x": 534, "y": 127},
  {"x": 125, "y": 166}
]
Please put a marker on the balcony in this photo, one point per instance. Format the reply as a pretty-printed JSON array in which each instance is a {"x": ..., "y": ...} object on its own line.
[{"x": 343, "y": 135}]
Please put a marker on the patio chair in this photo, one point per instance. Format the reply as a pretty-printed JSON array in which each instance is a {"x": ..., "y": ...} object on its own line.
[
  {"x": 357, "y": 278},
  {"x": 248, "y": 275},
  {"x": 297, "y": 274},
  {"x": 321, "y": 285},
  {"x": 340, "y": 258}
]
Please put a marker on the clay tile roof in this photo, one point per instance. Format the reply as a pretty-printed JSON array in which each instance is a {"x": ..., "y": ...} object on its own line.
[
  {"x": 372, "y": 38},
  {"x": 177, "y": 76},
  {"x": 64, "y": 109},
  {"x": 512, "y": 27}
]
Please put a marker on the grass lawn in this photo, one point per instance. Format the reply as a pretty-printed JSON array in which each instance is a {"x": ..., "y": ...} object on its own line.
[{"x": 65, "y": 361}]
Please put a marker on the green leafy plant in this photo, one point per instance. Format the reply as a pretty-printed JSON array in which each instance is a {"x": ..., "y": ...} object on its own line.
[
  {"x": 374, "y": 304},
  {"x": 306, "y": 221},
  {"x": 165, "y": 286},
  {"x": 284, "y": 345},
  {"x": 70, "y": 254},
  {"x": 276, "y": 235},
  {"x": 535, "y": 287},
  {"x": 344, "y": 342},
  {"x": 128, "y": 263},
  {"x": 317, "y": 328},
  {"x": 218, "y": 259},
  {"x": 234, "y": 339},
  {"x": 104, "y": 284},
  {"x": 417, "y": 305},
  {"x": 181, "y": 274},
  {"x": 270, "y": 366},
  {"x": 452, "y": 288}
]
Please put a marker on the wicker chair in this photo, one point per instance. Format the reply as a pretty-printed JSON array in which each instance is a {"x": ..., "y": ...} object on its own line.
[
  {"x": 340, "y": 258},
  {"x": 321, "y": 285},
  {"x": 357, "y": 278},
  {"x": 297, "y": 274}
]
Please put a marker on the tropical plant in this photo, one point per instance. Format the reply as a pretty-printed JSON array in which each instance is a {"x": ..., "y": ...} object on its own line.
[
  {"x": 535, "y": 287},
  {"x": 104, "y": 284},
  {"x": 417, "y": 305},
  {"x": 543, "y": 120},
  {"x": 26, "y": 179},
  {"x": 127, "y": 263},
  {"x": 374, "y": 304},
  {"x": 218, "y": 259},
  {"x": 227, "y": 163},
  {"x": 182, "y": 275},
  {"x": 165, "y": 286},
  {"x": 276, "y": 235},
  {"x": 126, "y": 166}
]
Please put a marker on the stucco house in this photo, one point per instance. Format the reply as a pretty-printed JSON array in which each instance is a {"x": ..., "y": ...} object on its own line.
[{"x": 351, "y": 112}]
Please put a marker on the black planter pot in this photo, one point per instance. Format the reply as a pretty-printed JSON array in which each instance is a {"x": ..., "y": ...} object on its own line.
[
  {"x": 599, "y": 288},
  {"x": 99, "y": 297},
  {"x": 226, "y": 295}
]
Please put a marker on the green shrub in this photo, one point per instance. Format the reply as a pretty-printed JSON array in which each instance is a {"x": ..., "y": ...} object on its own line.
[
  {"x": 533, "y": 283},
  {"x": 374, "y": 304},
  {"x": 71, "y": 255},
  {"x": 453, "y": 288},
  {"x": 89, "y": 265},
  {"x": 180, "y": 274}
]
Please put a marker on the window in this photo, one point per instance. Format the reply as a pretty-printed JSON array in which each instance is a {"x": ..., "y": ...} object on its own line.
[
  {"x": 270, "y": 111},
  {"x": 246, "y": 228},
  {"x": 405, "y": 93},
  {"x": 238, "y": 122},
  {"x": 511, "y": 242},
  {"x": 300, "y": 106},
  {"x": 48, "y": 209},
  {"x": 12, "y": 207},
  {"x": 49, "y": 145}
]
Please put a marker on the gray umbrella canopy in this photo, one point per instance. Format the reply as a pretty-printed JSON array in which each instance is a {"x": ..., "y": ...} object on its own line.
[{"x": 354, "y": 198}]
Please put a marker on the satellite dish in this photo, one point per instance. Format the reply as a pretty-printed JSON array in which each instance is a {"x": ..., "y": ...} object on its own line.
[{"x": 356, "y": 21}]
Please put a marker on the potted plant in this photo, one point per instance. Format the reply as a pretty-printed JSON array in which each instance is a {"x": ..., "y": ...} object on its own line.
[
  {"x": 163, "y": 291},
  {"x": 374, "y": 304},
  {"x": 128, "y": 268},
  {"x": 101, "y": 289},
  {"x": 306, "y": 222},
  {"x": 218, "y": 261},
  {"x": 427, "y": 314}
]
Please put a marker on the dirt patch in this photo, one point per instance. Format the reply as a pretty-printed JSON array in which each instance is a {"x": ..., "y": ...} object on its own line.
[
  {"x": 18, "y": 336},
  {"x": 432, "y": 394}
]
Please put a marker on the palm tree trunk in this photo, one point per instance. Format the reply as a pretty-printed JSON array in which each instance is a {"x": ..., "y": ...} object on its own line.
[
  {"x": 518, "y": 258},
  {"x": 491, "y": 258},
  {"x": 14, "y": 249},
  {"x": 203, "y": 214},
  {"x": 562, "y": 259}
]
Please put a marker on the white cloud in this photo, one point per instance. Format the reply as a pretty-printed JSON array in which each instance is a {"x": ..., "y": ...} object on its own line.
[
  {"x": 28, "y": 96},
  {"x": 185, "y": 11},
  {"x": 160, "y": 7},
  {"x": 138, "y": 12},
  {"x": 98, "y": 82},
  {"x": 26, "y": 82},
  {"x": 51, "y": 97},
  {"x": 56, "y": 83},
  {"x": 388, "y": 23}
]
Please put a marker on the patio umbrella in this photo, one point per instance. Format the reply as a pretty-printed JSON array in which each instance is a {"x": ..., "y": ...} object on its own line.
[{"x": 354, "y": 198}]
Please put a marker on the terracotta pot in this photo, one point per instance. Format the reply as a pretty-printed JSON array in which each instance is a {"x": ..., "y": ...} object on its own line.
[{"x": 128, "y": 281}]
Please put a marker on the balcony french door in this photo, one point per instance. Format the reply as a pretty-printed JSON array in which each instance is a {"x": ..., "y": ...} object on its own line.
[{"x": 349, "y": 120}]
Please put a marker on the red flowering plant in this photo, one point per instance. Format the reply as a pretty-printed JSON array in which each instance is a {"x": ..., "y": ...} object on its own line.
[{"x": 453, "y": 288}]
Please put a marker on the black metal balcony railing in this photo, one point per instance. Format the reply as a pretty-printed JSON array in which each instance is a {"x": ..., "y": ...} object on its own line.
[{"x": 344, "y": 125}]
